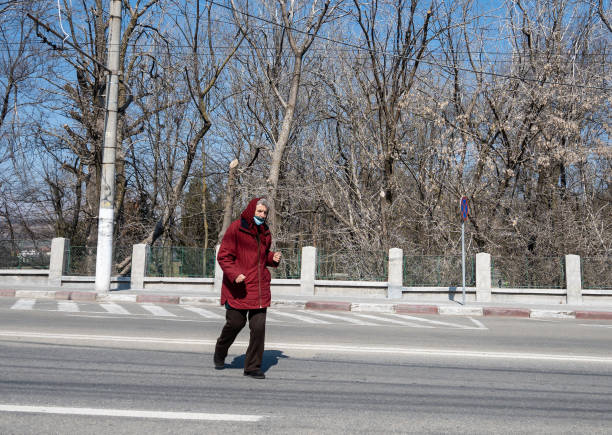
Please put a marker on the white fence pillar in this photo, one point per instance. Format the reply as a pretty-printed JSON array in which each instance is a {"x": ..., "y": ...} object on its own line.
[
  {"x": 395, "y": 279},
  {"x": 218, "y": 272},
  {"x": 308, "y": 270},
  {"x": 573, "y": 279},
  {"x": 483, "y": 277},
  {"x": 139, "y": 265},
  {"x": 59, "y": 246}
]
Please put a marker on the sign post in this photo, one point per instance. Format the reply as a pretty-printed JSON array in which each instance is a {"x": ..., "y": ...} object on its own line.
[{"x": 464, "y": 216}]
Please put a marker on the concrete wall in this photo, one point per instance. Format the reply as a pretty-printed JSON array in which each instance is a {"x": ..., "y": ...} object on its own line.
[{"x": 309, "y": 286}]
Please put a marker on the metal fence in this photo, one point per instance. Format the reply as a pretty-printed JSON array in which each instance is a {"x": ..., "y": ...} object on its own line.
[
  {"x": 25, "y": 254},
  {"x": 352, "y": 265},
  {"x": 438, "y": 271},
  {"x": 528, "y": 272},
  {"x": 596, "y": 272},
  {"x": 290, "y": 266},
  {"x": 180, "y": 261},
  {"x": 81, "y": 260}
]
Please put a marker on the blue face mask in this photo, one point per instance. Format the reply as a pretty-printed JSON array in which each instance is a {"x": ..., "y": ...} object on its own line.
[{"x": 258, "y": 220}]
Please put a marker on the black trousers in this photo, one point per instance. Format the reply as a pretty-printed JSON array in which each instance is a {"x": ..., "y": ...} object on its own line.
[{"x": 234, "y": 322}]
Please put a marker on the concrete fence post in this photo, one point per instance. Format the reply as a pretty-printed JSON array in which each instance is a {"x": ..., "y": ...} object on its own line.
[
  {"x": 139, "y": 265},
  {"x": 308, "y": 270},
  {"x": 483, "y": 277},
  {"x": 573, "y": 279},
  {"x": 59, "y": 246},
  {"x": 395, "y": 279},
  {"x": 218, "y": 273}
]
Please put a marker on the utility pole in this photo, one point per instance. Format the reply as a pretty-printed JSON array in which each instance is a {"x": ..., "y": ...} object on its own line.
[{"x": 104, "y": 257}]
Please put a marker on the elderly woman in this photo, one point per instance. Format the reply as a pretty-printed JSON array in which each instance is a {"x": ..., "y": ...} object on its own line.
[{"x": 244, "y": 256}]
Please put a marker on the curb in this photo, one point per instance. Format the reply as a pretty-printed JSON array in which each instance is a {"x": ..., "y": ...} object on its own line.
[
  {"x": 416, "y": 309},
  {"x": 157, "y": 299},
  {"x": 506, "y": 312},
  {"x": 328, "y": 306},
  {"x": 594, "y": 315},
  {"x": 423, "y": 309}
]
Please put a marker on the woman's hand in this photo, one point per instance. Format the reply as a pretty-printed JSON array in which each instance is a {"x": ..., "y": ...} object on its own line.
[
  {"x": 240, "y": 278},
  {"x": 276, "y": 257}
]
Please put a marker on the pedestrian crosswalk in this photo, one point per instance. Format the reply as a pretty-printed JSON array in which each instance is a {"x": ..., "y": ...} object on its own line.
[{"x": 217, "y": 313}]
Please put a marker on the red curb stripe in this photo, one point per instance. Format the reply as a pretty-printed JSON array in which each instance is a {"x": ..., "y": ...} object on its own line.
[
  {"x": 63, "y": 295},
  {"x": 596, "y": 315},
  {"x": 329, "y": 306},
  {"x": 506, "y": 312},
  {"x": 7, "y": 293},
  {"x": 83, "y": 296},
  {"x": 416, "y": 309},
  {"x": 157, "y": 299}
]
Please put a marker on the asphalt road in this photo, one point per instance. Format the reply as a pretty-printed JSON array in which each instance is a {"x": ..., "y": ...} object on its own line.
[{"x": 80, "y": 368}]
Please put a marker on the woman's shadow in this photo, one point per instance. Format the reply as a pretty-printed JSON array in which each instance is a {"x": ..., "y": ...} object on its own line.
[{"x": 270, "y": 358}]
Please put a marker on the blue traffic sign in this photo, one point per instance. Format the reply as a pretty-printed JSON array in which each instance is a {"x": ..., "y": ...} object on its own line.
[{"x": 465, "y": 209}]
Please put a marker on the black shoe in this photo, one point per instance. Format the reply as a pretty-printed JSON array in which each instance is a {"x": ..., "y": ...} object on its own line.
[
  {"x": 255, "y": 374},
  {"x": 219, "y": 363}
]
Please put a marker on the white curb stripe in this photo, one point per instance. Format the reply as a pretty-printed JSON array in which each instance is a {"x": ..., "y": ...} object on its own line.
[
  {"x": 24, "y": 304},
  {"x": 129, "y": 413},
  {"x": 157, "y": 311}
]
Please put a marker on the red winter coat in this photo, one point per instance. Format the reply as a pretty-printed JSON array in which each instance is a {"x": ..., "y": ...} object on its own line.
[{"x": 245, "y": 249}]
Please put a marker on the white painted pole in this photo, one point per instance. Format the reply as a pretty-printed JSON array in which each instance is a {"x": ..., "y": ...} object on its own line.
[
  {"x": 104, "y": 255},
  {"x": 463, "y": 256}
]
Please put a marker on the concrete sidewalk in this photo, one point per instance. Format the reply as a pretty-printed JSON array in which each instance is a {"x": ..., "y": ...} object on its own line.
[{"x": 325, "y": 303}]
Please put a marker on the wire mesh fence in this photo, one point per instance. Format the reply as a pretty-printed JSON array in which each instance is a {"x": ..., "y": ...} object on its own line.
[
  {"x": 438, "y": 271},
  {"x": 352, "y": 265},
  {"x": 596, "y": 272},
  {"x": 290, "y": 266},
  {"x": 418, "y": 270},
  {"x": 25, "y": 254},
  {"x": 81, "y": 260},
  {"x": 180, "y": 261},
  {"x": 528, "y": 272}
]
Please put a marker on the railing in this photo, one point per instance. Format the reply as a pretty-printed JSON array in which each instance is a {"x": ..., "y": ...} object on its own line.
[
  {"x": 596, "y": 272},
  {"x": 25, "y": 254},
  {"x": 416, "y": 271},
  {"x": 177, "y": 261},
  {"x": 528, "y": 272},
  {"x": 352, "y": 265},
  {"x": 81, "y": 260},
  {"x": 438, "y": 271}
]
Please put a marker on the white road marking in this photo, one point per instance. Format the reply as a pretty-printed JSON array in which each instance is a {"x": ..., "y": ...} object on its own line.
[
  {"x": 323, "y": 347},
  {"x": 157, "y": 310},
  {"x": 343, "y": 318},
  {"x": 68, "y": 306},
  {"x": 595, "y": 325},
  {"x": 204, "y": 313},
  {"x": 24, "y": 304},
  {"x": 114, "y": 308},
  {"x": 435, "y": 322},
  {"x": 131, "y": 317},
  {"x": 478, "y": 323},
  {"x": 299, "y": 317},
  {"x": 130, "y": 413},
  {"x": 394, "y": 321}
]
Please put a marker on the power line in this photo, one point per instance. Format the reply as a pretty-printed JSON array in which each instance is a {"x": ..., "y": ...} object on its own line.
[{"x": 367, "y": 51}]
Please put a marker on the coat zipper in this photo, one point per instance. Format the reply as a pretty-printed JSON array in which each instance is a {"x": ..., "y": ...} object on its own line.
[{"x": 258, "y": 268}]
